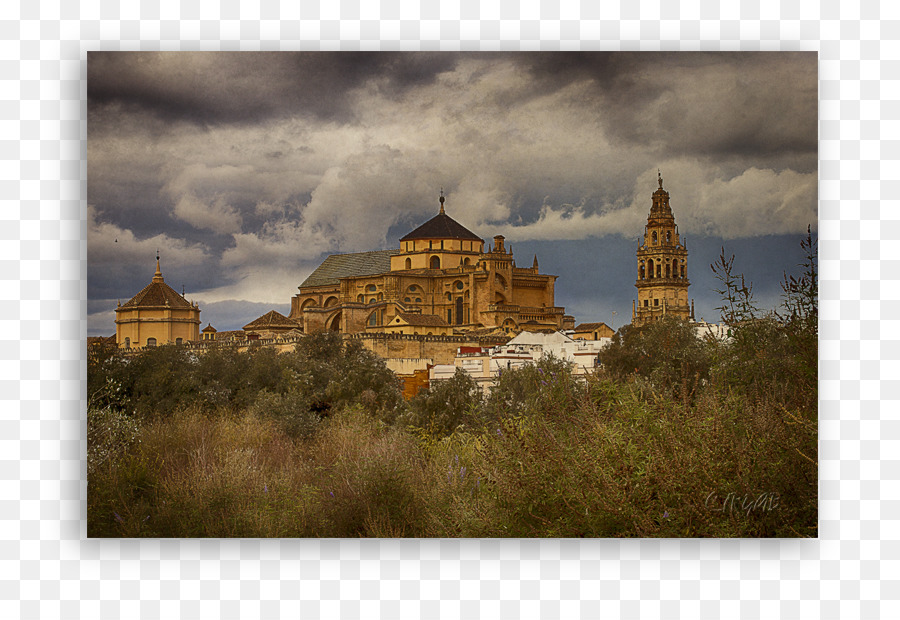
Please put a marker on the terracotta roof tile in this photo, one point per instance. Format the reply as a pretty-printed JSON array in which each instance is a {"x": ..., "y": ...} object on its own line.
[
  {"x": 584, "y": 327},
  {"x": 155, "y": 295},
  {"x": 423, "y": 320},
  {"x": 271, "y": 319}
]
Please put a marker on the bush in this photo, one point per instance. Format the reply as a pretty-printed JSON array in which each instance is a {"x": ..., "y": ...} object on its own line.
[
  {"x": 666, "y": 352},
  {"x": 445, "y": 406}
]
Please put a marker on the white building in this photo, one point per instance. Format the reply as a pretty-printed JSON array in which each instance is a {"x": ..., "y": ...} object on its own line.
[{"x": 485, "y": 365}]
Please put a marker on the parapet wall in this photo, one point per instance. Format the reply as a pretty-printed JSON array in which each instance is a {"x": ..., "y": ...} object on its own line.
[{"x": 441, "y": 349}]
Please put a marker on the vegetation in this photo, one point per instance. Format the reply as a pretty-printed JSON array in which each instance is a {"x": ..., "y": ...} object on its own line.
[{"x": 676, "y": 436}]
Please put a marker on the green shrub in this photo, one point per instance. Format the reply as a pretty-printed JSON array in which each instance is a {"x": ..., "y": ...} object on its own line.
[{"x": 445, "y": 405}]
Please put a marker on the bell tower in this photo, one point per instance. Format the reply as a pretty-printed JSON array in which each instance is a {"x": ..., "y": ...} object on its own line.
[{"x": 662, "y": 281}]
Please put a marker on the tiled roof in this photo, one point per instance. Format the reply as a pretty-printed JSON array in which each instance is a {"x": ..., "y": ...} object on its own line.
[
  {"x": 441, "y": 226},
  {"x": 586, "y": 327},
  {"x": 423, "y": 320},
  {"x": 271, "y": 319},
  {"x": 339, "y": 266},
  {"x": 156, "y": 294}
]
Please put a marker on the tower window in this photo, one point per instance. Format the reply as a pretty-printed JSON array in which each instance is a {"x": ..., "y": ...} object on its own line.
[
  {"x": 655, "y": 302},
  {"x": 409, "y": 263},
  {"x": 435, "y": 262},
  {"x": 682, "y": 271},
  {"x": 668, "y": 237},
  {"x": 659, "y": 271},
  {"x": 655, "y": 239}
]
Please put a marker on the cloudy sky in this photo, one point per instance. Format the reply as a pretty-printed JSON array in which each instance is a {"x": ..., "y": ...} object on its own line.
[{"x": 246, "y": 169}]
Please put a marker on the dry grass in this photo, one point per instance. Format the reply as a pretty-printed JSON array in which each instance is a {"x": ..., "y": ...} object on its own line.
[{"x": 612, "y": 460}]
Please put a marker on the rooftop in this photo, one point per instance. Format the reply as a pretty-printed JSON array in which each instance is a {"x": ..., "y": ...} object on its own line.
[
  {"x": 338, "y": 266},
  {"x": 441, "y": 226},
  {"x": 423, "y": 320},
  {"x": 271, "y": 319}
]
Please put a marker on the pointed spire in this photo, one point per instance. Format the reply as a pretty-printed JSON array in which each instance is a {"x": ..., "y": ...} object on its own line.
[
  {"x": 442, "y": 200},
  {"x": 157, "y": 277},
  {"x": 534, "y": 265}
]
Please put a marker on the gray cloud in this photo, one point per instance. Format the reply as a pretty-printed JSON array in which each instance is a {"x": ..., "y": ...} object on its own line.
[{"x": 248, "y": 167}]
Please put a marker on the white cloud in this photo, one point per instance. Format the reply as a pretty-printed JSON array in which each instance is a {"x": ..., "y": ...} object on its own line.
[{"x": 215, "y": 215}]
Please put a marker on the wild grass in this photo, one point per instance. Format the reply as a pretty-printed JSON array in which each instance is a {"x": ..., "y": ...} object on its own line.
[
  {"x": 614, "y": 460},
  {"x": 676, "y": 437}
]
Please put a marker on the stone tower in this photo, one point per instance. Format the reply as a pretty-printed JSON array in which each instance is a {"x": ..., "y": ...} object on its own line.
[{"x": 662, "y": 281}]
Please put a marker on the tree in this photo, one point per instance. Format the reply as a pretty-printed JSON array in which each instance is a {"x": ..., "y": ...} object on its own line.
[
  {"x": 446, "y": 405},
  {"x": 667, "y": 352}
]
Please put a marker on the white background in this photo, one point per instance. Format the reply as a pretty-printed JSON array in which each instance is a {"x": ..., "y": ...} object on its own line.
[{"x": 49, "y": 569}]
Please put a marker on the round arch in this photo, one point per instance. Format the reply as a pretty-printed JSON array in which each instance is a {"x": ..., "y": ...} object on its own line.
[{"x": 334, "y": 322}]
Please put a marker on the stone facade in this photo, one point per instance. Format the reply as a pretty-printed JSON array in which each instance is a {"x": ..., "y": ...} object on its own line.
[
  {"x": 441, "y": 269},
  {"x": 662, "y": 280}
]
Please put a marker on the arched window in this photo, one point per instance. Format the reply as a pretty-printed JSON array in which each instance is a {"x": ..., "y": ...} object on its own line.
[
  {"x": 435, "y": 262},
  {"x": 179, "y": 341},
  {"x": 409, "y": 263},
  {"x": 655, "y": 240},
  {"x": 466, "y": 261},
  {"x": 668, "y": 270},
  {"x": 151, "y": 342},
  {"x": 658, "y": 270},
  {"x": 668, "y": 237},
  {"x": 650, "y": 269},
  {"x": 459, "y": 310},
  {"x": 682, "y": 270},
  {"x": 127, "y": 342},
  {"x": 642, "y": 272}
]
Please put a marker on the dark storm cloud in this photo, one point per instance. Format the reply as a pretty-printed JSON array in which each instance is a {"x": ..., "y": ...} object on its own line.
[
  {"x": 208, "y": 88},
  {"x": 246, "y": 169},
  {"x": 696, "y": 103}
]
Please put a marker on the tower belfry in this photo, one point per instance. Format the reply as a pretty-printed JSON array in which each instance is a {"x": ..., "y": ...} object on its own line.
[{"x": 662, "y": 281}]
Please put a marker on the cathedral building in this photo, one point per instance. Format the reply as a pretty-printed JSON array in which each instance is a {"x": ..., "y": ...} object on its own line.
[
  {"x": 662, "y": 281},
  {"x": 441, "y": 270},
  {"x": 157, "y": 315}
]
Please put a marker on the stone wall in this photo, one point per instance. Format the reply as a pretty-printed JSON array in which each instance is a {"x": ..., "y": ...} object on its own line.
[{"x": 441, "y": 349}]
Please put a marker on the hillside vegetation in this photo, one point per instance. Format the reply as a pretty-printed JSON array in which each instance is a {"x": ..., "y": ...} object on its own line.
[{"x": 677, "y": 436}]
